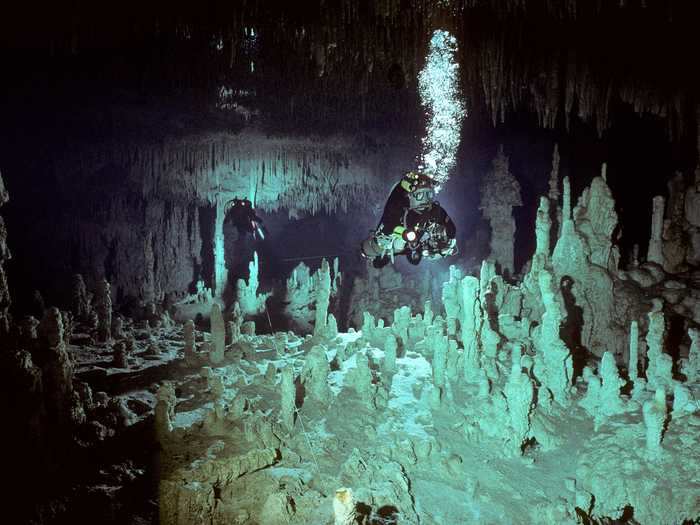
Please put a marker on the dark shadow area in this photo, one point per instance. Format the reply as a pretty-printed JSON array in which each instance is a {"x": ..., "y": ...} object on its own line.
[{"x": 570, "y": 329}]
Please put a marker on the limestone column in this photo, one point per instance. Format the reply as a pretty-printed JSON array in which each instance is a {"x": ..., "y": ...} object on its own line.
[
  {"x": 220, "y": 270},
  {"x": 566, "y": 206},
  {"x": 500, "y": 193},
  {"x": 543, "y": 225},
  {"x": 655, "y": 253}
]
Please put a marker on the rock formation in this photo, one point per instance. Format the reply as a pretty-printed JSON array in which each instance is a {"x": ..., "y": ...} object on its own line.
[{"x": 500, "y": 193}]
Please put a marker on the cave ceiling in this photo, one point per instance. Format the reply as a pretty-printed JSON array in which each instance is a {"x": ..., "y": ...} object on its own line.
[
  {"x": 156, "y": 90},
  {"x": 322, "y": 65}
]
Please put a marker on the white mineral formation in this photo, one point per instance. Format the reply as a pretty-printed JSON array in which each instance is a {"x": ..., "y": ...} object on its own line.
[
  {"x": 592, "y": 399},
  {"x": 58, "y": 365},
  {"x": 220, "y": 270},
  {"x": 165, "y": 411},
  {"x": 234, "y": 326},
  {"x": 440, "y": 349},
  {"x": 519, "y": 393},
  {"x": 658, "y": 371},
  {"x": 596, "y": 219},
  {"x": 586, "y": 255},
  {"x": 218, "y": 335},
  {"x": 344, "y": 507},
  {"x": 315, "y": 374},
  {"x": 402, "y": 320},
  {"x": 654, "y": 412},
  {"x": 362, "y": 380},
  {"x": 633, "y": 364},
  {"x": 103, "y": 307},
  {"x": 691, "y": 366},
  {"x": 610, "y": 400},
  {"x": 543, "y": 227},
  {"x": 288, "y": 394},
  {"x": 553, "y": 356},
  {"x": 300, "y": 295},
  {"x": 188, "y": 334},
  {"x": 247, "y": 291},
  {"x": 682, "y": 401},
  {"x": 500, "y": 193},
  {"x": 471, "y": 322},
  {"x": 323, "y": 296},
  {"x": 80, "y": 301},
  {"x": 566, "y": 204},
  {"x": 451, "y": 299},
  {"x": 655, "y": 251},
  {"x": 390, "y": 352}
]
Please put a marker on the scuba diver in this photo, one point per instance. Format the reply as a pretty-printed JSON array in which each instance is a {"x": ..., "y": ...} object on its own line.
[
  {"x": 244, "y": 218},
  {"x": 413, "y": 224}
]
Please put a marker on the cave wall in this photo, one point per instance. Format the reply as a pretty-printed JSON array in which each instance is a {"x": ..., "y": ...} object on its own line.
[{"x": 138, "y": 213}]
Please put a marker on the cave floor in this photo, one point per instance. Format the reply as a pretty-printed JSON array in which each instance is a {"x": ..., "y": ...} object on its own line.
[{"x": 408, "y": 454}]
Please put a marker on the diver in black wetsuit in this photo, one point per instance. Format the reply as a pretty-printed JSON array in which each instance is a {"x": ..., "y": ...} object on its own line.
[
  {"x": 413, "y": 224},
  {"x": 243, "y": 216}
]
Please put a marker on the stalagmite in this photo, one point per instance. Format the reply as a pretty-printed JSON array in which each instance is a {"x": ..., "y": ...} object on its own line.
[
  {"x": 234, "y": 326},
  {"x": 654, "y": 413},
  {"x": 566, "y": 205},
  {"x": 451, "y": 301},
  {"x": 519, "y": 394},
  {"x": 500, "y": 193},
  {"x": 440, "y": 360},
  {"x": 390, "y": 351},
  {"x": 247, "y": 292},
  {"x": 596, "y": 220},
  {"x": 691, "y": 366},
  {"x": 543, "y": 226},
  {"x": 586, "y": 257},
  {"x": 80, "y": 301},
  {"x": 344, "y": 507},
  {"x": 288, "y": 393},
  {"x": 58, "y": 366},
  {"x": 165, "y": 411},
  {"x": 119, "y": 359},
  {"x": 471, "y": 322},
  {"x": 323, "y": 295},
  {"x": 331, "y": 331},
  {"x": 554, "y": 358},
  {"x": 220, "y": 270},
  {"x": 553, "y": 193},
  {"x": 682, "y": 401},
  {"x": 632, "y": 367},
  {"x": 103, "y": 306},
  {"x": 362, "y": 380},
  {"x": 610, "y": 400},
  {"x": 218, "y": 335},
  {"x": 655, "y": 251},
  {"x": 188, "y": 332},
  {"x": 658, "y": 363},
  {"x": 592, "y": 399},
  {"x": 315, "y": 374},
  {"x": 402, "y": 319}
]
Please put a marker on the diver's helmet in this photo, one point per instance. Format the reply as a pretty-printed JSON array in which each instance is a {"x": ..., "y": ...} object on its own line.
[{"x": 420, "y": 188}]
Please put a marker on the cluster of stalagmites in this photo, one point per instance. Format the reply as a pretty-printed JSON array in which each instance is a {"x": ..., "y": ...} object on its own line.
[
  {"x": 306, "y": 290},
  {"x": 506, "y": 351}
]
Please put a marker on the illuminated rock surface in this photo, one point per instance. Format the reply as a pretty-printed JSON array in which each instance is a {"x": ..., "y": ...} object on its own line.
[{"x": 163, "y": 364}]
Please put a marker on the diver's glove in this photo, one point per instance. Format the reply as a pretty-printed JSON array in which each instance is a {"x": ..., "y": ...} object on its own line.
[
  {"x": 450, "y": 249},
  {"x": 447, "y": 249}
]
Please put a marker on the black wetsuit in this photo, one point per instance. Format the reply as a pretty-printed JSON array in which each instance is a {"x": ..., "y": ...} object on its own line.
[
  {"x": 397, "y": 212},
  {"x": 436, "y": 214},
  {"x": 242, "y": 215},
  {"x": 394, "y": 209}
]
